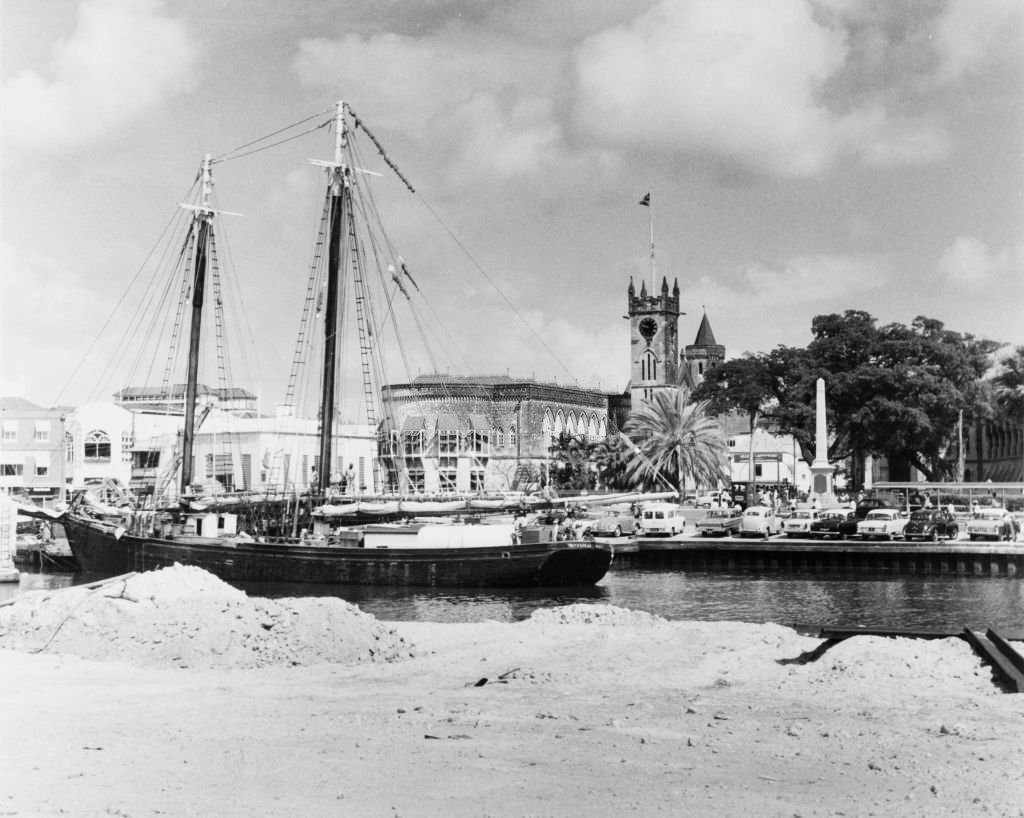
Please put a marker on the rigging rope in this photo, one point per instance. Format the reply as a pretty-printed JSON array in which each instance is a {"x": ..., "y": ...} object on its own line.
[
  {"x": 497, "y": 289},
  {"x": 115, "y": 310},
  {"x": 227, "y": 155}
]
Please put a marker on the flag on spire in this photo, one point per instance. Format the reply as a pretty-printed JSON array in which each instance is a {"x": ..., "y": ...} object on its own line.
[{"x": 646, "y": 200}]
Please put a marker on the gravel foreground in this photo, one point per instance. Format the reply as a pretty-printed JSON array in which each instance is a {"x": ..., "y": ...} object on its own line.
[{"x": 172, "y": 693}]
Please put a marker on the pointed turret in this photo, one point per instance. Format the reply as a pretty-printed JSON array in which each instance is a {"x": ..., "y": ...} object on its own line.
[
  {"x": 675, "y": 289},
  {"x": 664, "y": 286},
  {"x": 705, "y": 337},
  {"x": 704, "y": 353},
  {"x": 632, "y": 290},
  {"x": 643, "y": 289}
]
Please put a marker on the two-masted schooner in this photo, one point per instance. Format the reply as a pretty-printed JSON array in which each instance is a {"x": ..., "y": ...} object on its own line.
[{"x": 208, "y": 534}]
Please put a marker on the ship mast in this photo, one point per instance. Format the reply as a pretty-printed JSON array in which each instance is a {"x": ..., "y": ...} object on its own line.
[
  {"x": 339, "y": 202},
  {"x": 202, "y": 225}
]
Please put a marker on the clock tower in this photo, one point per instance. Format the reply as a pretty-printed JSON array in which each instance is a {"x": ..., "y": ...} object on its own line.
[{"x": 653, "y": 341}]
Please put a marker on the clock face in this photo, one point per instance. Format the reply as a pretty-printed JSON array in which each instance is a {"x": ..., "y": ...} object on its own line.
[{"x": 647, "y": 329}]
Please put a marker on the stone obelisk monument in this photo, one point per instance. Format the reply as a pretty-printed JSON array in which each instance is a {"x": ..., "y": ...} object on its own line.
[{"x": 821, "y": 469}]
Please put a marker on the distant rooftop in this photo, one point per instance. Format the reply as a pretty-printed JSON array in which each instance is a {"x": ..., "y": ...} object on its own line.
[
  {"x": 19, "y": 405},
  {"x": 177, "y": 392}
]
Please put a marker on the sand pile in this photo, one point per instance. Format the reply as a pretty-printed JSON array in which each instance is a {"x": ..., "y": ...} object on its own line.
[
  {"x": 886, "y": 664},
  {"x": 186, "y": 617},
  {"x": 586, "y": 614}
]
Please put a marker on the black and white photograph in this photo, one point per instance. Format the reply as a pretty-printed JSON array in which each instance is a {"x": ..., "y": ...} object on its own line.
[{"x": 512, "y": 409}]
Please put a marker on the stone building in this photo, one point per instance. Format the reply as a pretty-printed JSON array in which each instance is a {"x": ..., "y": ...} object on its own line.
[{"x": 463, "y": 434}]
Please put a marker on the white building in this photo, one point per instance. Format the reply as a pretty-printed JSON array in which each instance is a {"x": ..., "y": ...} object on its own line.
[
  {"x": 777, "y": 460},
  {"x": 142, "y": 451}
]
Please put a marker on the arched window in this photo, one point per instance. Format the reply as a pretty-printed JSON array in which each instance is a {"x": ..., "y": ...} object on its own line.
[
  {"x": 649, "y": 367},
  {"x": 97, "y": 447},
  {"x": 511, "y": 437}
]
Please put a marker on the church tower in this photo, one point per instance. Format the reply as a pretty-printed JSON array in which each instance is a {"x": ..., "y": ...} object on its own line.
[
  {"x": 653, "y": 341},
  {"x": 704, "y": 353}
]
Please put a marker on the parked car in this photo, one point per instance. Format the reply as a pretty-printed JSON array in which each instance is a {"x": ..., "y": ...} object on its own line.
[
  {"x": 662, "y": 518},
  {"x": 758, "y": 521},
  {"x": 991, "y": 524},
  {"x": 931, "y": 524},
  {"x": 611, "y": 523},
  {"x": 798, "y": 523},
  {"x": 868, "y": 504},
  {"x": 834, "y": 523},
  {"x": 882, "y": 524},
  {"x": 719, "y": 521},
  {"x": 711, "y": 499}
]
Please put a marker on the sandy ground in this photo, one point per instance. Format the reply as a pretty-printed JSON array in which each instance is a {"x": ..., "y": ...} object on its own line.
[{"x": 584, "y": 710}]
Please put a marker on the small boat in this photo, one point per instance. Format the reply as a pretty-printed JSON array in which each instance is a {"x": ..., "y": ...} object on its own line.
[{"x": 206, "y": 533}]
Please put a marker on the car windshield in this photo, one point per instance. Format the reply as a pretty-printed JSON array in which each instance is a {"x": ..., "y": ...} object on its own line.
[
  {"x": 879, "y": 515},
  {"x": 922, "y": 516},
  {"x": 989, "y": 514},
  {"x": 801, "y": 515}
]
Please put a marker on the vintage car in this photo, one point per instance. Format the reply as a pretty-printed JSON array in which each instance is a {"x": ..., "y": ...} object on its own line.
[
  {"x": 931, "y": 524},
  {"x": 867, "y": 504},
  {"x": 611, "y": 523},
  {"x": 662, "y": 518},
  {"x": 719, "y": 521},
  {"x": 758, "y": 521},
  {"x": 798, "y": 523},
  {"x": 834, "y": 523},
  {"x": 882, "y": 524},
  {"x": 991, "y": 524}
]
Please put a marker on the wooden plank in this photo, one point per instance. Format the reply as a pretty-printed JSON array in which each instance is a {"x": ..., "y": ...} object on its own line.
[
  {"x": 1001, "y": 666},
  {"x": 1006, "y": 648}
]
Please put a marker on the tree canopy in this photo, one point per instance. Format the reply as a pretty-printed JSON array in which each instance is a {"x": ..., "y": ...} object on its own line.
[{"x": 895, "y": 390}]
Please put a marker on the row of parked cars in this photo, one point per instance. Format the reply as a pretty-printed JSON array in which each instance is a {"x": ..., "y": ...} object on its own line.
[
  {"x": 866, "y": 522},
  {"x": 650, "y": 518}
]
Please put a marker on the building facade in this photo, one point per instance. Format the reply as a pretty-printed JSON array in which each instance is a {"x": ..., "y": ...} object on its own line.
[
  {"x": 32, "y": 451},
  {"x": 461, "y": 435}
]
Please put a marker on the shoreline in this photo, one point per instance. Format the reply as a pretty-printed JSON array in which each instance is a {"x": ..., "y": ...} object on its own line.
[{"x": 585, "y": 709}]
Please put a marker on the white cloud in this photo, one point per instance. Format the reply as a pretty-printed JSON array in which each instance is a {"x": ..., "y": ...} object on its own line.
[
  {"x": 741, "y": 81},
  {"x": 972, "y": 34},
  {"x": 969, "y": 260},
  {"x": 47, "y": 316},
  {"x": 901, "y": 141},
  {"x": 731, "y": 78},
  {"x": 124, "y": 58}
]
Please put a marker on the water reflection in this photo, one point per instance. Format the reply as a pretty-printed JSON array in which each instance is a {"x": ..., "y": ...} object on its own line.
[{"x": 947, "y": 603}]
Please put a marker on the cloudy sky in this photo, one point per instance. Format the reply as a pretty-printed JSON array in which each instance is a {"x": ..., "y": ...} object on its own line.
[{"x": 803, "y": 157}]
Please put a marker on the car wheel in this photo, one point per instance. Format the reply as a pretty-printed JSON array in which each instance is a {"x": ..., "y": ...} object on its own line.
[
  {"x": 935, "y": 535},
  {"x": 954, "y": 533},
  {"x": 618, "y": 531}
]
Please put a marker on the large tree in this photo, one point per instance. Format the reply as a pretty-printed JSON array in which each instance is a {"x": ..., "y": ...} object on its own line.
[
  {"x": 1008, "y": 387},
  {"x": 675, "y": 441},
  {"x": 746, "y": 385},
  {"x": 571, "y": 462},
  {"x": 895, "y": 390},
  {"x": 611, "y": 458}
]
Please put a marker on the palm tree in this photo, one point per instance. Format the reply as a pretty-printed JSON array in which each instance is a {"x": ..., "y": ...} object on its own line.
[
  {"x": 676, "y": 440},
  {"x": 1008, "y": 387}
]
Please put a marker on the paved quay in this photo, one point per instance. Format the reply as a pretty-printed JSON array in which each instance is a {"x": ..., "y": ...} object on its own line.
[{"x": 790, "y": 555}]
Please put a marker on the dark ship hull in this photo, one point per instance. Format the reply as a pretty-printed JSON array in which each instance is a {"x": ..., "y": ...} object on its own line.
[{"x": 105, "y": 549}]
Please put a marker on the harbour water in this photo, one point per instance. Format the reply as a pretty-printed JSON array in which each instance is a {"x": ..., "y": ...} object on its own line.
[{"x": 899, "y": 602}]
